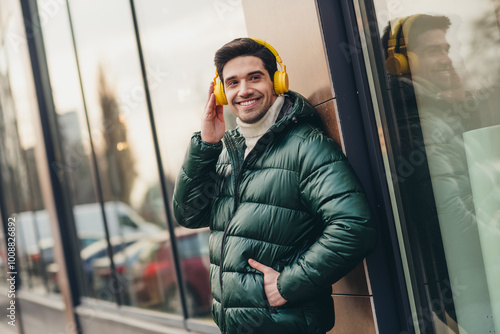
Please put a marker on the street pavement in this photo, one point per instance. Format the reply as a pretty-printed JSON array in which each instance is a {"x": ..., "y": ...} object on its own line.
[{"x": 5, "y": 328}]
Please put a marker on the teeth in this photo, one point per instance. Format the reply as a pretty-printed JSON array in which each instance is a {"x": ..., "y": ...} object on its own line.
[{"x": 247, "y": 103}]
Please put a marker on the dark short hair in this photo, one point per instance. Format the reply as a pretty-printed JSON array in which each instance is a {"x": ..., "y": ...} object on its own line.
[
  {"x": 245, "y": 47},
  {"x": 420, "y": 25}
]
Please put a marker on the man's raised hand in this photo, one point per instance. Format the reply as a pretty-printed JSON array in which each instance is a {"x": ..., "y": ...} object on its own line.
[{"x": 212, "y": 119}]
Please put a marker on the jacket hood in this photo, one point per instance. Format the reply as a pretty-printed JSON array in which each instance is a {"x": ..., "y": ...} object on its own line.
[{"x": 295, "y": 108}]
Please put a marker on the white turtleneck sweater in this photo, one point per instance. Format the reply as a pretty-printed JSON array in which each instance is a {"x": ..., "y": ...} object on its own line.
[{"x": 253, "y": 132}]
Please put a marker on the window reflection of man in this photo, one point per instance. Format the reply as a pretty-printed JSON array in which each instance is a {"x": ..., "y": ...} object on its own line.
[
  {"x": 431, "y": 65},
  {"x": 427, "y": 94},
  {"x": 435, "y": 65}
]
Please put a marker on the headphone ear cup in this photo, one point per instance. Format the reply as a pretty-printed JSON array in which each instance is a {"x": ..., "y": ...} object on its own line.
[
  {"x": 397, "y": 64},
  {"x": 280, "y": 82},
  {"x": 220, "y": 96}
]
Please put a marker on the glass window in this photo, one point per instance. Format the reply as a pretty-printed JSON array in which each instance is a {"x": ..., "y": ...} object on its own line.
[
  {"x": 437, "y": 98},
  {"x": 179, "y": 40},
  {"x": 76, "y": 166},
  {"x": 116, "y": 144},
  {"x": 19, "y": 182}
]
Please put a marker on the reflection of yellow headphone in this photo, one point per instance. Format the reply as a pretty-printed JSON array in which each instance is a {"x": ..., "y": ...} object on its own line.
[
  {"x": 280, "y": 78},
  {"x": 398, "y": 55}
]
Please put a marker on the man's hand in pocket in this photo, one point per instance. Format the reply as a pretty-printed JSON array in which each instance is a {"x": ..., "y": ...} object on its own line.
[{"x": 270, "y": 283}]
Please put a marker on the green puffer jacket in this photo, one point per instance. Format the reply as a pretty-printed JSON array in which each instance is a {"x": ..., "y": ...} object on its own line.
[{"x": 294, "y": 204}]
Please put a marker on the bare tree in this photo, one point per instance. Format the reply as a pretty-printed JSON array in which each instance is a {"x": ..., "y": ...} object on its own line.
[{"x": 120, "y": 160}]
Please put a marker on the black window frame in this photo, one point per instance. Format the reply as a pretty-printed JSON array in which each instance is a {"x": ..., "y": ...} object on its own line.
[{"x": 361, "y": 142}]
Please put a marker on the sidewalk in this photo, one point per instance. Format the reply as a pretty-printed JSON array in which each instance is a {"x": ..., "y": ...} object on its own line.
[{"x": 5, "y": 328}]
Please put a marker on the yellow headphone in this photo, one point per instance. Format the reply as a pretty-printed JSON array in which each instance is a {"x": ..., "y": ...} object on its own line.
[
  {"x": 398, "y": 54},
  {"x": 280, "y": 78}
]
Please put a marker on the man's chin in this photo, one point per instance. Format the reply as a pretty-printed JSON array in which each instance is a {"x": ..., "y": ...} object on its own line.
[
  {"x": 251, "y": 117},
  {"x": 250, "y": 120}
]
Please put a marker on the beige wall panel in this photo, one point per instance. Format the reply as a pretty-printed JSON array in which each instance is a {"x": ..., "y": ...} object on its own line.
[
  {"x": 292, "y": 27},
  {"x": 353, "y": 283},
  {"x": 327, "y": 112},
  {"x": 353, "y": 315}
]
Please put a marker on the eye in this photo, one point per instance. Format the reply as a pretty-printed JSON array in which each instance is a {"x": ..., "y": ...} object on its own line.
[
  {"x": 255, "y": 77},
  {"x": 231, "y": 83}
]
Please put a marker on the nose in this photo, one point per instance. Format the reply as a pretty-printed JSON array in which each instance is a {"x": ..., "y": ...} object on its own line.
[
  {"x": 445, "y": 57},
  {"x": 245, "y": 89}
]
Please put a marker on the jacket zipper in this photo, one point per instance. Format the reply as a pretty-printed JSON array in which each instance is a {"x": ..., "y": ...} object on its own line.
[{"x": 231, "y": 149}]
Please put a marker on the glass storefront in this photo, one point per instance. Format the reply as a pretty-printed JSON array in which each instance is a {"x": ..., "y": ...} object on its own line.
[
  {"x": 109, "y": 165},
  {"x": 435, "y": 83}
]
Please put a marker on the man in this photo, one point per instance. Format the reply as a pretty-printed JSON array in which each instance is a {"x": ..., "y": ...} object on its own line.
[
  {"x": 432, "y": 112},
  {"x": 288, "y": 217}
]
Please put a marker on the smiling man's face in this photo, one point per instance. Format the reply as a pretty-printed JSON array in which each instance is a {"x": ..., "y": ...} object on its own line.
[
  {"x": 434, "y": 64},
  {"x": 248, "y": 87}
]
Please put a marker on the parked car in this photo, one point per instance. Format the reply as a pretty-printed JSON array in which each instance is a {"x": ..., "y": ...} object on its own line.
[
  {"x": 146, "y": 273},
  {"x": 36, "y": 242},
  {"x": 120, "y": 217},
  {"x": 89, "y": 254}
]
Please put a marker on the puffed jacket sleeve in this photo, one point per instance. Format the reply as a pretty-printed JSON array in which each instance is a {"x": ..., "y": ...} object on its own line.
[
  {"x": 196, "y": 183},
  {"x": 332, "y": 192}
]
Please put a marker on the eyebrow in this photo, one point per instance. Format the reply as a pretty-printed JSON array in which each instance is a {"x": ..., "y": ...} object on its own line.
[{"x": 248, "y": 74}]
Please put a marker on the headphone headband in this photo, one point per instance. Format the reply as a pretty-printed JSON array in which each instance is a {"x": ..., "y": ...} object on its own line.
[
  {"x": 273, "y": 50},
  {"x": 397, "y": 53},
  {"x": 406, "y": 26}
]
